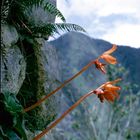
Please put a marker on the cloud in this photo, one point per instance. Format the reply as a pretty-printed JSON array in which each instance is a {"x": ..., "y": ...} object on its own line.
[
  {"x": 125, "y": 34},
  {"x": 101, "y": 18},
  {"x": 99, "y": 7}
]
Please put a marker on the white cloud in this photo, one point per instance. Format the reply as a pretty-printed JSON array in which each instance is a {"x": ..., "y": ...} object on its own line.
[
  {"x": 120, "y": 31},
  {"x": 99, "y": 7},
  {"x": 125, "y": 34}
]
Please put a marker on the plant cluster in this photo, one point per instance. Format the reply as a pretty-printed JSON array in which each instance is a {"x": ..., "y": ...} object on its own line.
[
  {"x": 14, "y": 12},
  {"x": 11, "y": 118}
]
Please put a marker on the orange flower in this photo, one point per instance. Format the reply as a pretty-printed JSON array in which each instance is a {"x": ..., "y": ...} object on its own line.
[
  {"x": 107, "y": 57},
  {"x": 100, "y": 66},
  {"x": 108, "y": 91}
]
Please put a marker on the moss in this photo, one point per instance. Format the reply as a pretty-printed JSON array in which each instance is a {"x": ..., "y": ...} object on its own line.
[{"x": 33, "y": 89}]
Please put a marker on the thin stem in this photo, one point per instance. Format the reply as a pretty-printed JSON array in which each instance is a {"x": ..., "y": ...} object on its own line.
[
  {"x": 26, "y": 26},
  {"x": 62, "y": 116},
  {"x": 61, "y": 86}
]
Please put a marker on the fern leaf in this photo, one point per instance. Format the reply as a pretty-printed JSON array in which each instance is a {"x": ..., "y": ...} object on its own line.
[
  {"x": 51, "y": 28},
  {"x": 4, "y": 10},
  {"x": 29, "y": 4},
  {"x": 53, "y": 10},
  {"x": 67, "y": 27}
]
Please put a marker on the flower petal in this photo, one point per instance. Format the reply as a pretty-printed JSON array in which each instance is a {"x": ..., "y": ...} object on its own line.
[
  {"x": 115, "y": 94},
  {"x": 111, "y": 88},
  {"x": 108, "y": 58},
  {"x": 109, "y": 97},
  {"x": 110, "y": 82},
  {"x": 103, "y": 70},
  {"x": 100, "y": 66},
  {"x": 101, "y": 97},
  {"x": 114, "y": 47},
  {"x": 115, "y": 81}
]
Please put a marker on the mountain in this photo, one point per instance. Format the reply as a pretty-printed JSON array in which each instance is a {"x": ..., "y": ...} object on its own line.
[
  {"x": 78, "y": 49},
  {"x": 91, "y": 119}
]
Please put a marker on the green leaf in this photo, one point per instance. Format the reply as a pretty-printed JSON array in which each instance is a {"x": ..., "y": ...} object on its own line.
[
  {"x": 66, "y": 27},
  {"x": 19, "y": 127},
  {"x": 53, "y": 10},
  {"x": 8, "y": 134},
  {"x": 50, "y": 28},
  {"x": 11, "y": 103}
]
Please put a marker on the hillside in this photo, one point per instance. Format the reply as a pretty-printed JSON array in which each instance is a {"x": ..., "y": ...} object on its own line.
[
  {"x": 80, "y": 49},
  {"x": 75, "y": 50}
]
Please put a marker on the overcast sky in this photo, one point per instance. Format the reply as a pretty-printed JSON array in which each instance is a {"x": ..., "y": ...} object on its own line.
[{"x": 117, "y": 21}]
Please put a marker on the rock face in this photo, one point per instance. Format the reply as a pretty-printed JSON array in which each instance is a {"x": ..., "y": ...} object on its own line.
[
  {"x": 12, "y": 63},
  {"x": 9, "y": 35}
]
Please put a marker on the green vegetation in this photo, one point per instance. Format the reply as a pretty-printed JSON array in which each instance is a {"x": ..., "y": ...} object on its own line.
[
  {"x": 12, "y": 124},
  {"x": 15, "y": 12}
]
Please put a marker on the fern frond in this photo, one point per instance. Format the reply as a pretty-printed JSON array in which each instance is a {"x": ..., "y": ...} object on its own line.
[
  {"x": 29, "y": 4},
  {"x": 53, "y": 10},
  {"x": 4, "y": 10},
  {"x": 17, "y": 16},
  {"x": 55, "y": 27},
  {"x": 67, "y": 27}
]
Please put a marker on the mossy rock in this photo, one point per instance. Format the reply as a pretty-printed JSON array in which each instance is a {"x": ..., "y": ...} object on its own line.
[{"x": 34, "y": 89}]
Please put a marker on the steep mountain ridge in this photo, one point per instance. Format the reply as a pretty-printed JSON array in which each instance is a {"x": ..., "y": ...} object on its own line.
[
  {"x": 91, "y": 119},
  {"x": 90, "y": 48}
]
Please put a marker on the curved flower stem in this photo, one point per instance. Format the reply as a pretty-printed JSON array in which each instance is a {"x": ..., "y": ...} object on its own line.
[
  {"x": 62, "y": 116},
  {"x": 61, "y": 86}
]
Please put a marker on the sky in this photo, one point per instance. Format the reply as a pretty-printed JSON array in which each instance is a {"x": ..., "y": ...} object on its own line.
[{"x": 116, "y": 21}]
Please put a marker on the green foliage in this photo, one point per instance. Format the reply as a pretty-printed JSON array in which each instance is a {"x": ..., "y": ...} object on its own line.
[
  {"x": 19, "y": 7},
  {"x": 50, "y": 28},
  {"x": 4, "y": 10},
  {"x": 14, "y": 12},
  {"x": 12, "y": 124},
  {"x": 53, "y": 10},
  {"x": 11, "y": 104}
]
